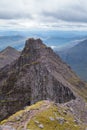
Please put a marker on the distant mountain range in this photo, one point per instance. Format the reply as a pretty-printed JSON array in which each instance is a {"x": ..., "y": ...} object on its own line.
[
  {"x": 52, "y": 38},
  {"x": 76, "y": 57},
  {"x": 16, "y": 41}
]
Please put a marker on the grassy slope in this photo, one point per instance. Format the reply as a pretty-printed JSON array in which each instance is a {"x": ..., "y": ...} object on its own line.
[{"x": 44, "y": 115}]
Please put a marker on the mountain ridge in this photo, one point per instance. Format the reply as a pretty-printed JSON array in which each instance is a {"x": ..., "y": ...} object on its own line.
[{"x": 38, "y": 74}]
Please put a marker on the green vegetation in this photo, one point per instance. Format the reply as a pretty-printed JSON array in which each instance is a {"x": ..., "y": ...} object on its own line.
[
  {"x": 48, "y": 124},
  {"x": 14, "y": 117},
  {"x": 80, "y": 87},
  {"x": 44, "y": 115}
]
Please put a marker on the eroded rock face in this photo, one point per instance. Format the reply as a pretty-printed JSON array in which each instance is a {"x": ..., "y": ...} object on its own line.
[{"x": 38, "y": 74}]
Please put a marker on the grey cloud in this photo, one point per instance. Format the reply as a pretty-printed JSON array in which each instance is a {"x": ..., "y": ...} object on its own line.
[
  {"x": 45, "y": 11},
  {"x": 69, "y": 15},
  {"x": 14, "y": 15},
  {"x": 72, "y": 11}
]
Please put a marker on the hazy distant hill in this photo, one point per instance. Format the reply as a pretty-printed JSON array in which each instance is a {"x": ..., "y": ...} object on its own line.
[
  {"x": 76, "y": 57},
  {"x": 52, "y": 38},
  {"x": 8, "y": 55},
  {"x": 16, "y": 41}
]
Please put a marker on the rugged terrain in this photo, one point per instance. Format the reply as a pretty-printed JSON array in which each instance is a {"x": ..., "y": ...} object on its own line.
[
  {"x": 8, "y": 55},
  {"x": 38, "y": 74},
  {"x": 48, "y": 115}
]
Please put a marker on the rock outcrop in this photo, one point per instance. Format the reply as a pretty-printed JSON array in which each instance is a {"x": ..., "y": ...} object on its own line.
[{"x": 38, "y": 74}]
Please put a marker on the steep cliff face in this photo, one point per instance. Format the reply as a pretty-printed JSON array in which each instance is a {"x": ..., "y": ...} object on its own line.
[
  {"x": 41, "y": 64},
  {"x": 38, "y": 74}
]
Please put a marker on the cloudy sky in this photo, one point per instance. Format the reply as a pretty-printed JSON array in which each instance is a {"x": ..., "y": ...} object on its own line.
[{"x": 58, "y": 14}]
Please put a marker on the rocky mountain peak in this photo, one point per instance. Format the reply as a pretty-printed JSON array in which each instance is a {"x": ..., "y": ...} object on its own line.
[
  {"x": 33, "y": 44},
  {"x": 38, "y": 74},
  {"x": 8, "y": 50},
  {"x": 35, "y": 50}
]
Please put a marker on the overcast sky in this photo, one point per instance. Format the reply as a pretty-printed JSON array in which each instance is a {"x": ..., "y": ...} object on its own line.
[{"x": 58, "y": 14}]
